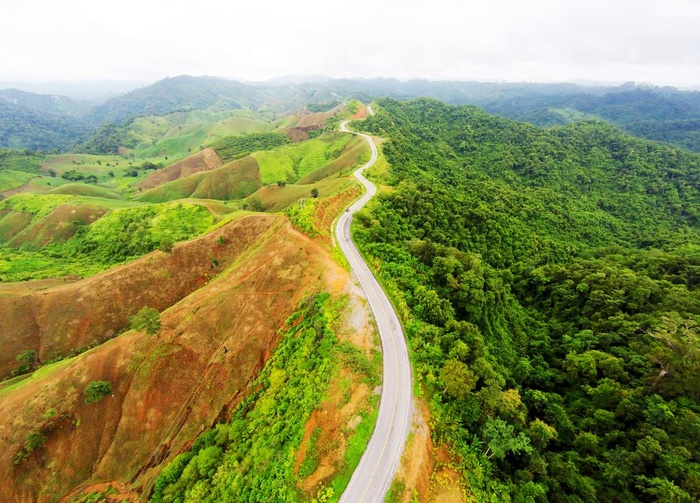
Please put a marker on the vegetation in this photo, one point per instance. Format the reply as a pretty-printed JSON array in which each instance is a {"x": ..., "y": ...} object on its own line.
[
  {"x": 548, "y": 281},
  {"x": 23, "y": 127},
  {"x": 25, "y": 161},
  {"x": 125, "y": 233},
  {"x": 95, "y": 496},
  {"x": 236, "y": 147},
  {"x": 97, "y": 390},
  {"x": 291, "y": 162},
  {"x": 29, "y": 361},
  {"x": 35, "y": 441},
  {"x": 131, "y": 232},
  {"x": 252, "y": 457},
  {"x": 147, "y": 319}
]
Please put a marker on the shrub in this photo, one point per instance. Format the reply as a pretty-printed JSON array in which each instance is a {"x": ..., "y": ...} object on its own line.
[
  {"x": 147, "y": 319},
  {"x": 96, "y": 391}
]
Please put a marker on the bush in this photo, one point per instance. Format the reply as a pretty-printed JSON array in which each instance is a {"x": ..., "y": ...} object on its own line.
[
  {"x": 96, "y": 391},
  {"x": 147, "y": 319}
]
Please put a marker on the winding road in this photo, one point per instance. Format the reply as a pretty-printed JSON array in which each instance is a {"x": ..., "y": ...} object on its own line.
[{"x": 375, "y": 472}]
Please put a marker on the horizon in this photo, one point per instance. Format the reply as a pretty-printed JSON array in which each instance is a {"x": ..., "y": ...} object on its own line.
[{"x": 117, "y": 86}]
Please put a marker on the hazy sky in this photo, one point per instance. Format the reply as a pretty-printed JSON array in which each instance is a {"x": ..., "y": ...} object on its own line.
[{"x": 536, "y": 40}]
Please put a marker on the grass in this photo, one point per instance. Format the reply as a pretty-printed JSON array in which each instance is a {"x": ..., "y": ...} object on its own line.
[
  {"x": 356, "y": 445},
  {"x": 30, "y": 265},
  {"x": 356, "y": 152},
  {"x": 122, "y": 234},
  {"x": 83, "y": 189},
  {"x": 38, "y": 374},
  {"x": 292, "y": 162},
  {"x": 129, "y": 233},
  {"x": 40, "y": 205},
  {"x": 86, "y": 163},
  {"x": 13, "y": 179},
  {"x": 235, "y": 147},
  {"x": 234, "y": 180},
  {"x": 17, "y": 160},
  {"x": 276, "y": 198},
  {"x": 180, "y": 133},
  {"x": 176, "y": 146}
]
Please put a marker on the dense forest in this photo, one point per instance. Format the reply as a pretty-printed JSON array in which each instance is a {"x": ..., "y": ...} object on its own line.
[{"x": 548, "y": 280}]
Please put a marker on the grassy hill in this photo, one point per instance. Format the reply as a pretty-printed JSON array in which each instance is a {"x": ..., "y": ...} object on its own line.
[
  {"x": 255, "y": 255},
  {"x": 85, "y": 245},
  {"x": 234, "y": 180}
]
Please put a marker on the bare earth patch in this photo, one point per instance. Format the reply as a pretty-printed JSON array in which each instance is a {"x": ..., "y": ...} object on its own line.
[{"x": 423, "y": 473}]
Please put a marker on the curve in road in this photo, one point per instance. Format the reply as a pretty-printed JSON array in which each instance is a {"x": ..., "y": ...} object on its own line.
[{"x": 375, "y": 472}]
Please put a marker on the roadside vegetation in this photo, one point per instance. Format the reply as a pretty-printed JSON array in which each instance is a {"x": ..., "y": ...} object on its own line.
[{"x": 253, "y": 456}]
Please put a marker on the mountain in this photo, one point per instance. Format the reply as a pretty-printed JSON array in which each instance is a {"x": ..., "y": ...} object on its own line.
[
  {"x": 662, "y": 114},
  {"x": 178, "y": 94},
  {"x": 549, "y": 282},
  {"x": 143, "y": 341},
  {"x": 40, "y": 122},
  {"x": 93, "y": 91}
]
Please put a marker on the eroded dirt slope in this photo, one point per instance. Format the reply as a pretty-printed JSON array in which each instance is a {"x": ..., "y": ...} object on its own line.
[
  {"x": 168, "y": 387},
  {"x": 56, "y": 320}
]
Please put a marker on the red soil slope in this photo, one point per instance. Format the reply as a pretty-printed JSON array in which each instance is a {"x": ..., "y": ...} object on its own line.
[
  {"x": 166, "y": 387},
  {"x": 57, "y": 320}
]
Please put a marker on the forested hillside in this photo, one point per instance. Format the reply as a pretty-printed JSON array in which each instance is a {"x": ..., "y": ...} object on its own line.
[
  {"x": 177, "y": 94},
  {"x": 549, "y": 285},
  {"x": 48, "y": 122},
  {"x": 24, "y": 128}
]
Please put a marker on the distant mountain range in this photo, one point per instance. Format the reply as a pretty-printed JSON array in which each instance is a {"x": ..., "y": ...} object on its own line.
[{"x": 54, "y": 122}]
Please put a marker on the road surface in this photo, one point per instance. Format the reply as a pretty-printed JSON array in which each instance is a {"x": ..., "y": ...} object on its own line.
[{"x": 378, "y": 464}]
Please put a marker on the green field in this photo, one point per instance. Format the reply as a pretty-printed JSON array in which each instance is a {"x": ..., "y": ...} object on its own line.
[
  {"x": 274, "y": 198},
  {"x": 178, "y": 134},
  {"x": 234, "y": 180},
  {"x": 291, "y": 162},
  {"x": 40, "y": 205},
  {"x": 12, "y": 179}
]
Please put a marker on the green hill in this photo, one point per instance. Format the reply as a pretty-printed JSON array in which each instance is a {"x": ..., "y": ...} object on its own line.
[
  {"x": 549, "y": 285},
  {"x": 234, "y": 180}
]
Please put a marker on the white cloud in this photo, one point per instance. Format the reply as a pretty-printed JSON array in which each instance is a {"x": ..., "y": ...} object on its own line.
[{"x": 536, "y": 40}]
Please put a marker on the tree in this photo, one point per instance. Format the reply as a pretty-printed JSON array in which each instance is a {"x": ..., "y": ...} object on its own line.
[
  {"x": 458, "y": 379},
  {"x": 501, "y": 439},
  {"x": 314, "y": 192},
  {"x": 147, "y": 319},
  {"x": 96, "y": 391},
  {"x": 28, "y": 361},
  {"x": 541, "y": 433},
  {"x": 677, "y": 355},
  {"x": 254, "y": 204}
]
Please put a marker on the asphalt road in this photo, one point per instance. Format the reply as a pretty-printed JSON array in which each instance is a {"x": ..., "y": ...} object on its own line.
[{"x": 378, "y": 465}]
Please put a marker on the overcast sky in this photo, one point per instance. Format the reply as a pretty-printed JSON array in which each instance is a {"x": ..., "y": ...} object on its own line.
[{"x": 655, "y": 41}]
